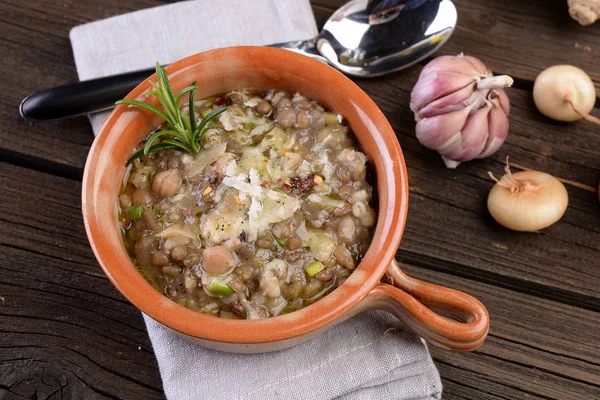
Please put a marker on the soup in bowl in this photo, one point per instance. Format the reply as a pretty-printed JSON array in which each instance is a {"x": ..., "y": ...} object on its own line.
[{"x": 282, "y": 224}]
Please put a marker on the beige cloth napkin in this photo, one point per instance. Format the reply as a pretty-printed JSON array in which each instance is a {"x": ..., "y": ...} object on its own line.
[{"x": 371, "y": 356}]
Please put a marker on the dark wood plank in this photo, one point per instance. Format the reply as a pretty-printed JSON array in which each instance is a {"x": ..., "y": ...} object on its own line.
[
  {"x": 35, "y": 42},
  {"x": 63, "y": 323},
  {"x": 519, "y": 38},
  {"x": 538, "y": 349},
  {"x": 64, "y": 330}
]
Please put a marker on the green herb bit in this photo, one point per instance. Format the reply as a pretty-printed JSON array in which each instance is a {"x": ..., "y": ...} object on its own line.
[
  {"x": 221, "y": 289},
  {"x": 314, "y": 268},
  {"x": 280, "y": 241},
  {"x": 135, "y": 213},
  {"x": 186, "y": 133}
]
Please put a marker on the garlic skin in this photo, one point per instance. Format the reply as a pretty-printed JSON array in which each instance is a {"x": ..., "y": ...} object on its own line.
[{"x": 460, "y": 108}]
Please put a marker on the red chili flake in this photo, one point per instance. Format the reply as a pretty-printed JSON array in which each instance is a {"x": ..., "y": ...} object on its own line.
[
  {"x": 286, "y": 188},
  {"x": 221, "y": 101},
  {"x": 127, "y": 224},
  {"x": 302, "y": 186}
]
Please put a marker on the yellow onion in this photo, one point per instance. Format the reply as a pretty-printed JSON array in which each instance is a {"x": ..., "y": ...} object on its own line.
[
  {"x": 527, "y": 201},
  {"x": 460, "y": 108}
]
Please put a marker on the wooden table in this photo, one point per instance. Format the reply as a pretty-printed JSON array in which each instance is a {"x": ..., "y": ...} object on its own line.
[{"x": 65, "y": 332}]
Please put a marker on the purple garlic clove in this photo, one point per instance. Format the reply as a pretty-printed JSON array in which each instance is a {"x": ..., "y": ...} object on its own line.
[{"x": 460, "y": 108}]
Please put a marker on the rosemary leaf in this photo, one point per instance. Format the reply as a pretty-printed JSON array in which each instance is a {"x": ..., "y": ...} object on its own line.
[
  {"x": 162, "y": 146},
  {"x": 209, "y": 117},
  {"x": 189, "y": 89},
  {"x": 186, "y": 132},
  {"x": 152, "y": 138},
  {"x": 181, "y": 145},
  {"x": 147, "y": 107}
]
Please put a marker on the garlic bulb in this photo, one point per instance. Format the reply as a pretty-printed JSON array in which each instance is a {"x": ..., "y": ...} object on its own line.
[{"x": 460, "y": 108}]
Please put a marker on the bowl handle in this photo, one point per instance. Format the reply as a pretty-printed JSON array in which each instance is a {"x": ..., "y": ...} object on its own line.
[{"x": 416, "y": 304}]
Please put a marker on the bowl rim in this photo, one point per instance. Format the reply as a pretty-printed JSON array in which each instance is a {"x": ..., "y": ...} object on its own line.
[{"x": 392, "y": 188}]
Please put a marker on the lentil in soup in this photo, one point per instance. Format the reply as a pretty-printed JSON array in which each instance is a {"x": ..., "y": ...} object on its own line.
[{"x": 271, "y": 215}]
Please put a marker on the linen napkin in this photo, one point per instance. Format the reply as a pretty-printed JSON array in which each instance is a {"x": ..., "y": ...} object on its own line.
[{"x": 371, "y": 356}]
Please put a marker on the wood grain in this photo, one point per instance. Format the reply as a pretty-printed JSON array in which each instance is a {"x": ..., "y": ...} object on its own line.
[
  {"x": 65, "y": 332},
  {"x": 519, "y": 38},
  {"x": 540, "y": 347}
]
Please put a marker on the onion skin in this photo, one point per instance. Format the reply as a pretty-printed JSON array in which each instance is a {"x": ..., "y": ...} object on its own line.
[
  {"x": 535, "y": 202},
  {"x": 557, "y": 86},
  {"x": 460, "y": 108}
]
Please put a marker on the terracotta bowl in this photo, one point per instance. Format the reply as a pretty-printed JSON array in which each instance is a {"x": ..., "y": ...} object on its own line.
[{"x": 222, "y": 70}]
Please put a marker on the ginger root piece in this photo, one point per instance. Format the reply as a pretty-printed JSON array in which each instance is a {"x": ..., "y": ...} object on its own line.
[{"x": 585, "y": 12}]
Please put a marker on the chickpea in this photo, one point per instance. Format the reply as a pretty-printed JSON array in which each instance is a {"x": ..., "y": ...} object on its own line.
[
  {"x": 178, "y": 253},
  {"x": 263, "y": 108},
  {"x": 302, "y": 119},
  {"x": 363, "y": 213},
  {"x": 189, "y": 282},
  {"x": 245, "y": 272},
  {"x": 286, "y": 118},
  {"x": 217, "y": 260},
  {"x": 150, "y": 220},
  {"x": 361, "y": 195},
  {"x": 142, "y": 197},
  {"x": 167, "y": 183},
  {"x": 343, "y": 257},
  {"x": 284, "y": 103},
  {"x": 325, "y": 275},
  {"x": 317, "y": 121},
  {"x": 236, "y": 98},
  {"x": 346, "y": 230},
  {"x": 294, "y": 290},
  {"x": 294, "y": 243},
  {"x": 312, "y": 288},
  {"x": 236, "y": 284},
  {"x": 304, "y": 105},
  {"x": 171, "y": 270},
  {"x": 160, "y": 258},
  {"x": 344, "y": 174},
  {"x": 265, "y": 242}
]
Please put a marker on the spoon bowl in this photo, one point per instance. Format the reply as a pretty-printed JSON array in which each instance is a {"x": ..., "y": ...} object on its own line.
[
  {"x": 366, "y": 38},
  {"x": 365, "y": 41}
]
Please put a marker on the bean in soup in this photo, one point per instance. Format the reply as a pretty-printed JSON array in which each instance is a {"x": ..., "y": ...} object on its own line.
[{"x": 271, "y": 215}]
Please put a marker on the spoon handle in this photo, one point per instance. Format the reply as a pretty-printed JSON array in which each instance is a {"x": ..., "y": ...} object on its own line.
[{"x": 100, "y": 94}]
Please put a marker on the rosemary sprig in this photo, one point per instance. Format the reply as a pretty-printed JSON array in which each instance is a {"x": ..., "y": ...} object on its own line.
[{"x": 185, "y": 133}]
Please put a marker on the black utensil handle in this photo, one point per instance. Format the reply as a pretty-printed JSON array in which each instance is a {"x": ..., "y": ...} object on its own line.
[{"x": 80, "y": 98}]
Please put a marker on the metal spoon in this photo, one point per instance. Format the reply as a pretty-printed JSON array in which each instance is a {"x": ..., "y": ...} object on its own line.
[
  {"x": 364, "y": 38},
  {"x": 368, "y": 38}
]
